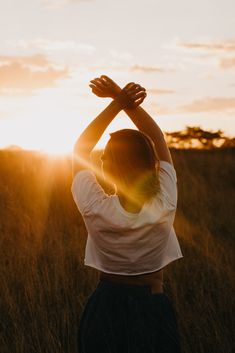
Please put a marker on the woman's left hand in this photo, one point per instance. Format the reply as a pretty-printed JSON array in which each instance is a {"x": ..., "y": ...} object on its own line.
[{"x": 105, "y": 87}]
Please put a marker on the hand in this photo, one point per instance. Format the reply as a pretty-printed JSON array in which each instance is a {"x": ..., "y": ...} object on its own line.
[
  {"x": 131, "y": 96},
  {"x": 105, "y": 87}
]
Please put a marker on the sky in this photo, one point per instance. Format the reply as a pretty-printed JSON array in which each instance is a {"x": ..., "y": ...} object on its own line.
[{"x": 182, "y": 52}]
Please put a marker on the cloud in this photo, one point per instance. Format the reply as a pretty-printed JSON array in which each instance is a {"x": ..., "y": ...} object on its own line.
[
  {"x": 224, "y": 46},
  {"x": 227, "y": 63},
  {"x": 160, "y": 91},
  {"x": 26, "y": 74},
  {"x": 47, "y": 45},
  {"x": 36, "y": 60},
  {"x": 209, "y": 104},
  {"x": 117, "y": 66},
  {"x": 147, "y": 69}
]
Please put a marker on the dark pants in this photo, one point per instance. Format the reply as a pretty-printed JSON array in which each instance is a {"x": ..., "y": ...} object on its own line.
[{"x": 120, "y": 318}]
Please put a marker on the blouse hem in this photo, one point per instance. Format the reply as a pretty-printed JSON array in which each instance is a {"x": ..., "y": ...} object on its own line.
[{"x": 132, "y": 274}]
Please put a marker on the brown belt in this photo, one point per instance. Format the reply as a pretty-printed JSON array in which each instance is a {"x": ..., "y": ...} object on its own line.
[{"x": 156, "y": 285}]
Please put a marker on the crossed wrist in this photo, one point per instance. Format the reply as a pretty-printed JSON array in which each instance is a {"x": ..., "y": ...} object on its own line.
[
  {"x": 115, "y": 94},
  {"x": 116, "y": 102},
  {"x": 124, "y": 101}
]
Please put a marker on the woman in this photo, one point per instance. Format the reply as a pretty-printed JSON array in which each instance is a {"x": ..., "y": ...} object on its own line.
[{"x": 130, "y": 234}]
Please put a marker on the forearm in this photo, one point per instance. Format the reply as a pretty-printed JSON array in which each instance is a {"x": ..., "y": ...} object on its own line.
[
  {"x": 91, "y": 135},
  {"x": 145, "y": 123}
]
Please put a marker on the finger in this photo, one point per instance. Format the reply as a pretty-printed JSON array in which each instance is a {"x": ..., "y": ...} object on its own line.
[
  {"x": 129, "y": 85},
  {"x": 97, "y": 92},
  {"x": 97, "y": 81},
  {"x": 139, "y": 87},
  {"x": 106, "y": 78},
  {"x": 104, "y": 81},
  {"x": 135, "y": 94},
  {"x": 136, "y": 97},
  {"x": 94, "y": 82},
  {"x": 96, "y": 89},
  {"x": 135, "y": 88},
  {"x": 140, "y": 95},
  {"x": 138, "y": 102},
  {"x": 92, "y": 85}
]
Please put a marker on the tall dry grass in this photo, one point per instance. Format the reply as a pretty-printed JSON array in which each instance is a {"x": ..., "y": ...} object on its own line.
[{"x": 44, "y": 285}]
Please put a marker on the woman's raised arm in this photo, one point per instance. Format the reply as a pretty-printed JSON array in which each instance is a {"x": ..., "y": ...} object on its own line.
[
  {"x": 91, "y": 135},
  {"x": 144, "y": 122},
  {"x": 105, "y": 87}
]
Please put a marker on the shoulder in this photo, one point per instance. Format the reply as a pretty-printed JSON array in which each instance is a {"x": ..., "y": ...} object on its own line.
[
  {"x": 86, "y": 190},
  {"x": 167, "y": 169},
  {"x": 168, "y": 183},
  {"x": 83, "y": 174},
  {"x": 82, "y": 178}
]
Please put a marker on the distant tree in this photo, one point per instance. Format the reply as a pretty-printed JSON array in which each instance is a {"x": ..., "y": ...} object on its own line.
[
  {"x": 229, "y": 143},
  {"x": 196, "y": 137}
]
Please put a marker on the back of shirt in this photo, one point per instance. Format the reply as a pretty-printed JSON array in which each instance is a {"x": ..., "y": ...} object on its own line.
[{"x": 121, "y": 242}]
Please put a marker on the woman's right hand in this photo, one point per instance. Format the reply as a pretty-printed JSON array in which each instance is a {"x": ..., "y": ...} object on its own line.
[
  {"x": 131, "y": 96},
  {"x": 105, "y": 87}
]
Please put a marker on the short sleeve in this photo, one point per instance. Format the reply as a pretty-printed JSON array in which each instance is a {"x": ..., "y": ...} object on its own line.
[
  {"x": 86, "y": 191},
  {"x": 168, "y": 183}
]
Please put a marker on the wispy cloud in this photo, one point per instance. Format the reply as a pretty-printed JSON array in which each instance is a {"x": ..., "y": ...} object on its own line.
[
  {"x": 147, "y": 69},
  {"x": 224, "y": 46},
  {"x": 120, "y": 66},
  {"x": 215, "y": 51},
  {"x": 227, "y": 63},
  {"x": 126, "y": 61},
  {"x": 209, "y": 104},
  {"x": 46, "y": 45},
  {"x": 37, "y": 60},
  {"x": 25, "y": 74},
  {"x": 158, "y": 91}
]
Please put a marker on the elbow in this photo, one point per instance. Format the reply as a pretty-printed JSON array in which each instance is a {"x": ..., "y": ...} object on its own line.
[
  {"x": 81, "y": 154},
  {"x": 81, "y": 149}
]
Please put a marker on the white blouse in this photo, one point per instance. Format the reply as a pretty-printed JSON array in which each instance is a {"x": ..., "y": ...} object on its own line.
[{"x": 127, "y": 243}]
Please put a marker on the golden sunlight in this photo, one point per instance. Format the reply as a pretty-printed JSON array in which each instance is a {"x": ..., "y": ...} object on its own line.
[{"x": 46, "y": 135}]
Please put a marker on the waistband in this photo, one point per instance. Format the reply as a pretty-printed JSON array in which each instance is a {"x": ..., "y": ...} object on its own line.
[
  {"x": 156, "y": 284},
  {"x": 123, "y": 288}
]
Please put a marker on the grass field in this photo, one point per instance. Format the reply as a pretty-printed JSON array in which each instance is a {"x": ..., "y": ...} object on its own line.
[{"x": 44, "y": 285}]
